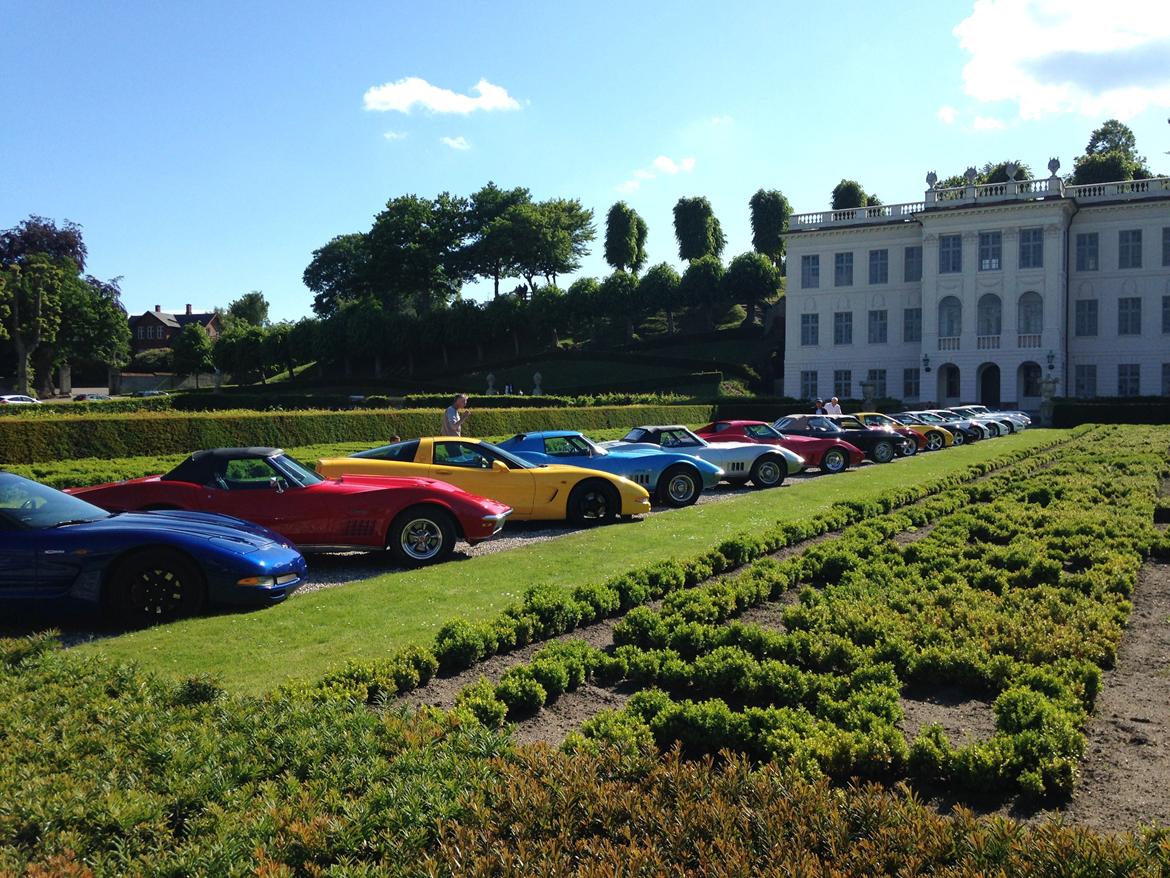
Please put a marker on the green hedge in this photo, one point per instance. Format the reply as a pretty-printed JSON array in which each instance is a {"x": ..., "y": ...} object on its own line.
[
  {"x": 1111, "y": 410},
  {"x": 32, "y": 440}
]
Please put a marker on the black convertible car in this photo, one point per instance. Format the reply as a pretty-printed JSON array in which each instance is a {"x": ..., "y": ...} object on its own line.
[{"x": 880, "y": 446}]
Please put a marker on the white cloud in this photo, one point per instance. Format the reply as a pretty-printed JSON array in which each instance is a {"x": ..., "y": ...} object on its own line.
[
  {"x": 459, "y": 143},
  {"x": 663, "y": 164},
  {"x": 404, "y": 95},
  {"x": 720, "y": 120},
  {"x": 1068, "y": 56},
  {"x": 987, "y": 123},
  {"x": 396, "y": 135},
  {"x": 947, "y": 114}
]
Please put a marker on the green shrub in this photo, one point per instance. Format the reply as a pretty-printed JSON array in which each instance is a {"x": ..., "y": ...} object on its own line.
[
  {"x": 521, "y": 692},
  {"x": 479, "y": 700},
  {"x": 458, "y": 645}
]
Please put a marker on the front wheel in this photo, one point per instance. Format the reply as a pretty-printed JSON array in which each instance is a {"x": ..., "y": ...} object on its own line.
[
  {"x": 679, "y": 486},
  {"x": 834, "y": 461},
  {"x": 157, "y": 585},
  {"x": 934, "y": 440},
  {"x": 421, "y": 536},
  {"x": 593, "y": 502},
  {"x": 910, "y": 448},
  {"x": 883, "y": 452},
  {"x": 768, "y": 471},
  {"x": 960, "y": 437}
]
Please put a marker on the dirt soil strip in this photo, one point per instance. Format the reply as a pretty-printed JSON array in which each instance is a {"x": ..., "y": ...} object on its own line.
[
  {"x": 1125, "y": 776},
  {"x": 964, "y": 718}
]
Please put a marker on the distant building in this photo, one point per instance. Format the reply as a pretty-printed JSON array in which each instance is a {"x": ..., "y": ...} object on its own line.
[
  {"x": 981, "y": 292},
  {"x": 157, "y": 328}
]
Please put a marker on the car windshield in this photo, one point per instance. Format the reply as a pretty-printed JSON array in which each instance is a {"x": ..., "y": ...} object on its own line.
[
  {"x": 635, "y": 435},
  {"x": 907, "y": 419},
  {"x": 511, "y": 460},
  {"x": 678, "y": 437},
  {"x": 929, "y": 417},
  {"x": 849, "y": 423},
  {"x": 761, "y": 431},
  {"x": 877, "y": 420},
  {"x": 295, "y": 472},
  {"x": 27, "y": 504},
  {"x": 571, "y": 446}
]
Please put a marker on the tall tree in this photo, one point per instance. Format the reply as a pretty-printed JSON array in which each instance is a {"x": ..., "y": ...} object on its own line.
[
  {"x": 339, "y": 271},
  {"x": 34, "y": 288},
  {"x": 658, "y": 288},
  {"x": 751, "y": 279},
  {"x": 415, "y": 252},
  {"x": 487, "y": 254},
  {"x": 39, "y": 235},
  {"x": 1110, "y": 155},
  {"x": 581, "y": 305},
  {"x": 625, "y": 238},
  {"x": 618, "y": 298},
  {"x": 1113, "y": 136},
  {"x": 250, "y": 308},
  {"x": 697, "y": 230},
  {"x": 192, "y": 351},
  {"x": 548, "y": 238},
  {"x": 702, "y": 287},
  {"x": 769, "y": 213},
  {"x": 848, "y": 194},
  {"x": 93, "y": 329}
]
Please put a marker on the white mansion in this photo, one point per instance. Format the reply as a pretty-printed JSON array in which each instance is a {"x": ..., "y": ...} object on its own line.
[{"x": 979, "y": 292}]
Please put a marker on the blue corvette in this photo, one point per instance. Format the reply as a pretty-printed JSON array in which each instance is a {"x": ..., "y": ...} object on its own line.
[
  {"x": 672, "y": 478},
  {"x": 142, "y": 567}
]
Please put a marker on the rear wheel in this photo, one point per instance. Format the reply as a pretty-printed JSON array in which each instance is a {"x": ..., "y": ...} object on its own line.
[
  {"x": 768, "y": 471},
  {"x": 834, "y": 461},
  {"x": 909, "y": 448},
  {"x": 934, "y": 440},
  {"x": 883, "y": 451},
  {"x": 593, "y": 502},
  {"x": 679, "y": 486},
  {"x": 960, "y": 437},
  {"x": 156, "y": 585},
  {"x": 421, "y": 536}
]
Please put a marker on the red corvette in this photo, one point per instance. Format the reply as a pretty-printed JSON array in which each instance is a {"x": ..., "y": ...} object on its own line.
[
  {"x": 831, "y": 455},
  {"x": 418, "y": 520}
]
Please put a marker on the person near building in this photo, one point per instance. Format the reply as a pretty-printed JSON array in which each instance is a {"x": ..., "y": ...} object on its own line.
[
  {"x": 455, "y": 416},
  {"x": 834, "y": 407},
  {"x": 819, "y": 408}
]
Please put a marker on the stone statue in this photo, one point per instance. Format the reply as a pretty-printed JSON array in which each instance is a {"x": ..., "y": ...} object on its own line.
[
  {"x": 537, "y": 390},
  {"x": 867, "y": 389},
  {"x": 491, "y": 384},
  {"x": 1047, "y": 391}
]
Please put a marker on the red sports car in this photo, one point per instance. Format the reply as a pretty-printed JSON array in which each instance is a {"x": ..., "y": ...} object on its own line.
[
  {"x": 417, "y": 519},
  {"x": 831, "y": 455}
]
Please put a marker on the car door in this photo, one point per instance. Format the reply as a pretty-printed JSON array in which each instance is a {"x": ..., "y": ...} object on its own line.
[
  {"x": 18, "y": 560},
  {"x": 472, "y": 467},
  {"x": 251, "y": 489}
]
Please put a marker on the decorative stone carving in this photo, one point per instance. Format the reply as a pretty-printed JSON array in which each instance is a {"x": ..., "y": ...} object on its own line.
[
  {"x": 537, "y": 390},
  {"x": 931, "y": 179},
  {"x": 491, "y": 384},
  {"x": 930, "y": 238},
  {"x": 1053, "y": 166},
  {"x": 1011, "y": 169},
  {"x": 970, "y": 174},
  {"x": 1047, "y": 391},
  {"x": 867, "y": 389}
]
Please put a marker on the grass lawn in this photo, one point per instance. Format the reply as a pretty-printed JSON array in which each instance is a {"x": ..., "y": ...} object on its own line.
[{"x": 304, "y": 637}]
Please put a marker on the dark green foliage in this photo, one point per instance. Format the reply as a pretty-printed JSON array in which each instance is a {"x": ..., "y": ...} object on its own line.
[
  {"x": 848, "y": 194},
  {"x": 696, "y": 230}
]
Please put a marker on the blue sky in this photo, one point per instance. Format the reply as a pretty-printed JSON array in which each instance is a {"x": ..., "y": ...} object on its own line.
[{"x": 207, "y": 148}]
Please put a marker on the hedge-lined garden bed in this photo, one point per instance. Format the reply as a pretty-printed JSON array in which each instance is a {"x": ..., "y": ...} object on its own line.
[
  {"x": 1115, "y": 410},
  {"x": 32, "y": 440}
]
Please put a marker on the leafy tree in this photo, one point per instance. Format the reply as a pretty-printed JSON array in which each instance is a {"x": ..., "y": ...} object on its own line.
[
  {"x": 34, "y": 289},
  {"x": 659, "y": 288},
  {"x": 488, "y": 254},
  {"x": 192, "y": 351},
  {"x": 697, "y": 230},
  {"x": 280, "y": 354},
  {"x": 1114, "y": 136},
  {"x": 305, "y": 339},
  {"x": 872, "y": 201},
  {"x": 547, "y": 312},
  {"x": 415, "y": 252},
  {"x": 991, "y": 172},
  {"x": 848, "y": 194},
  {"x": 548, "y": 238},
  {"x": 251, "y": 308},
  {"x": 769, "y": 213},
  {"x": 505, "y": 317},
  {"x": 625, "y": 238},
  {"x": 39, "y": 235},
  {"x": 581, "y": 305},
  {"x": 338, "y": 271},
  {"x": 751, "y": 278},
  {"x": 702, "y": 287},
  {"x": 618, "y": 297},
  {"x": 1110, "y": 155}
]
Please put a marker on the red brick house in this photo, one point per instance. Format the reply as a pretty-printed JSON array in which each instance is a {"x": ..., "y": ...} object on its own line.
[{"x": 157, "y": 328}]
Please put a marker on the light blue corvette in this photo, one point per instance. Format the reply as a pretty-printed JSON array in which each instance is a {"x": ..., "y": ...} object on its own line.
[{"x": 672, "y": 478}]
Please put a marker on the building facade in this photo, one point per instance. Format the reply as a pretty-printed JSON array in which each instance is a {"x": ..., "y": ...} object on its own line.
[
  {"x": 158, "y": 328},
  {"x": 981, "y": 292}
]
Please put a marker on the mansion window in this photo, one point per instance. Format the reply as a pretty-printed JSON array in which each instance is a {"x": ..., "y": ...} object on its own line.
[
  {"x": 878, "y": 323},
  {"x": 1030, "y": 313},
  {"x": 1129, "y": 315},
  {"x": 842, "y": 383},
  {"x": 879, "y": 266},
  {"x": 1087, "y": 244},
  {"x": 950, "y": 254},
  {"x": 810, "y": 329},
  {"x": 1166, "y": 379},
  {"x": 990, "y": 250},
  {"x": 878, "y": 378},
  {"x": 912, "y": 264},
  {"x": 843, "y": 270},
  {"x": 1165, "y": 246},
  {"x": 912, "y": 324},
  {"x": 1030, "y": 379},
  {"x": 808, "y": 384},
  {"x": 911, "y": 380},
  {"x": 1085, "y": 315},
  {"x": 1129, "y": 248},
  {"x": 1031, "y": 248},
  {"x": 1165, "y": 315},
  {"x": 1129, "y": 379},
  {"x": 843, "y": 328},
  {"x": 1085, "y": 380},
  {"x": 810, "y": 272}
]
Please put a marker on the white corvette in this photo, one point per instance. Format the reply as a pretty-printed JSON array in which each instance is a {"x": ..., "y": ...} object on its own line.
[{"x": 765, "y": 466}]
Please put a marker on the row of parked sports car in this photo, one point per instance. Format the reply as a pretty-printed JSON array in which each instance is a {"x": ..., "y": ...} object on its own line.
[{"x": 228, "y": 525}]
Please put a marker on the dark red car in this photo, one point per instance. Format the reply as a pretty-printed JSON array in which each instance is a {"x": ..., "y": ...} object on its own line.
[
  {"x": 830, "y": 455},
  {"x": 418, "y": 520}
]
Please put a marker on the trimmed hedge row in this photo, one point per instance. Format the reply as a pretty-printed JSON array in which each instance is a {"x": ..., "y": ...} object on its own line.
[
  {"x": 32, "y": 440},
  {"x": 1124, "y": 410}
]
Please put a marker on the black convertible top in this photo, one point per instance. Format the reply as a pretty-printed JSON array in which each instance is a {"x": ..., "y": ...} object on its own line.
[{"x": 202, "y": 467}]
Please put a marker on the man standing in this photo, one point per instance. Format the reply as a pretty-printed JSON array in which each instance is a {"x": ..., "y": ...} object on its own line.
[
  {"x": 455, "y": 416},
  {"x": 834, "y": 407}
]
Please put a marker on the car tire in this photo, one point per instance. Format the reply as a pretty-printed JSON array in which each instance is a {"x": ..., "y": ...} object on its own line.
[
  {"x": 679, "y": 486},
  {"x": 834, "y": 461},
  {"x": 769, "y": 471},
  {"x": 883, "y": 452},
  {"x": 993, "y": 431},
  {"x": 960, "y": 437},
  {"x": 593, "y": 502},
  {"x": 420, "y": 536},
  {"x": 154, "y": 586},
  {"x": 935, "y": 441},
  {"x": 910, "y": 448}
]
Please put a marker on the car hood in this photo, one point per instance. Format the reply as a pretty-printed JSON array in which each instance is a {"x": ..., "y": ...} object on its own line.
[{"x": 241, "y": 536}]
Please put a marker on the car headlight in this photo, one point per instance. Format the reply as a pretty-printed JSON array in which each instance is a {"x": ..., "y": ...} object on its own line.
[{"x": 268, "y": 581}]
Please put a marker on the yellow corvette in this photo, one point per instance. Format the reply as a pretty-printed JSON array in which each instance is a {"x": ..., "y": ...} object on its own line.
[
  {"x": 936, "y": 437},
  {"x": 535, "y": 493}
]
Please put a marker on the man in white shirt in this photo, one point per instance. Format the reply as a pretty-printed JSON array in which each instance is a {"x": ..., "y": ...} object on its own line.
[
  {"x": 834, "y": 407},
  {"x": 455, "y": 416}
]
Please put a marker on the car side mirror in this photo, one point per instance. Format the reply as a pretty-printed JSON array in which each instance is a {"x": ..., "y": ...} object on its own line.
[
  {"x": 275, "y": 484},
  {"x": 498, "y": 466}
]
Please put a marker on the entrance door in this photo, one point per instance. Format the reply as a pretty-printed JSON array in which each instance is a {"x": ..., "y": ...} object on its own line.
[{"x": 989, "y": 386}]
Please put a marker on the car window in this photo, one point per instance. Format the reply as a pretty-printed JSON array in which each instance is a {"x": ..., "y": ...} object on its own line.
[
  {"x": 850, "y": 423},
  {"x": 822, "y": 425},
  {"x": 249, "y": 474},
  {"x": 719, "y": 428},
  {"x": 566, "y": 446},
  {"x": 786, "y": 424},
  {"x": 295, "y": 472},
  {"x": 461, "y": 454},
  {"x": 403, "y": 452},
  {"x": 636, "y": 435},
  {"x": 760, "y": 431}
]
